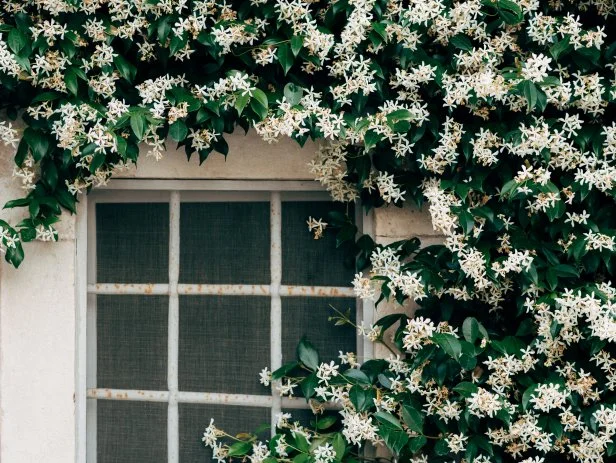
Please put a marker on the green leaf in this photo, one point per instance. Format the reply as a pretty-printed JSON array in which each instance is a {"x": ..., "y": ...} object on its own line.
[
  {"x": 21, "y": 202},
  {"x": 399, "y": 115},
  {"x": 66, "y": 199},
  {"x": 16, "y": 40},
  {"x": 137, "y": 124},
  {"x": 388, "y": 419},
  {"x": 178, "y": 131},
  {"x": 470, "y": 329},
  {"x": 45, "y": 96},
  {"x": 467, "y": 221},
  {"x": 510, "y": 12},
  {"x": 449, "y": 343},
  {"x": 560, "y": 47},
  {"x": 301, "y": 458},
  {"x": 259, "y": 103},
  {"x": 239, "y": 449},
  {"x": 38, "y": 142},
  {"x": 126, "y": 69},
  {"x": 70, "y": 79},
  {"x": 412, "y": 418},
  {"x": 241, "y": 101},
  {"x": 15, "y": 255},
  {"x": 391, "y": 431},
  {"x": 416, "y": 443},
  {"x": 260, "y": 96},
  {"x": 371, "y": 139},
  {"x": 308, "y": 385},
  {"x": 381, "y": 29},
  {"x": 441, "y": 448},
  {"x": 307, "y": 354},
  {"x": 49, "y": 173},
  {"x": 293, "y": 93},
  {"x": 297, "y": 42},
  {"x": 468, "y": 362},
  {"x": 176, "y": 44},
  {"x": 466, "y": 389},
  {"x": 462, "y": 42},
  {"x": 339, "y": 445},
  {"x": 360, "y": 398},
  {"x": 284, "y": 370},
  {"x": 357, "y": 376},
  {"x": 285, "y": 57},
  {"x": 527, "y": 396},
  {"x": 529, "y": 90},
  {"x": 97, "y": 161},
  {"x": 326, "y": 422}
]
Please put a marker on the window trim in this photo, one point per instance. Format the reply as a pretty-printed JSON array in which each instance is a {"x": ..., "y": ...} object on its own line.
[{"x": 147, "y": 190}]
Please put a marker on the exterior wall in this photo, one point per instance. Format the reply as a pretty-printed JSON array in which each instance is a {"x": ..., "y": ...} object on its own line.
[
  {"x": 39, "y": 303},
  {"x": 394, "y": 224}
]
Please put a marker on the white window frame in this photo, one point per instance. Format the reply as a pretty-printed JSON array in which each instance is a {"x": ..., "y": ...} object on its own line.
[{"x": 173, "y": 192}]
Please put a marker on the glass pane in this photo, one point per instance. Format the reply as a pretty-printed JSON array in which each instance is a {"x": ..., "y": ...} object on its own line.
[
  {"x": 233, "y": 420},
  {"x": 306, "y": 261},
  {"x": 131, "y": 432},
  {"x": 132, "y": 243},
  {"x": 224, "y": 343},
  {"x": 132, "y": 342},
  {"x": 225, "y": 243},
  {"x": 307, "y": 316}
]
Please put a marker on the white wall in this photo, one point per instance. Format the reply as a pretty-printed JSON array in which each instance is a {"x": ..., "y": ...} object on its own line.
[{"x": 38, "y": 302}]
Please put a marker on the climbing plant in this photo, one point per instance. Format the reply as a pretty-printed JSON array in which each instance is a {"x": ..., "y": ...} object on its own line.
[{"x": 497, "y": 114}]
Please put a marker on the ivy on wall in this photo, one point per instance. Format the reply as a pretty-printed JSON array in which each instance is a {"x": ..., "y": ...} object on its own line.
[{"x": 498, "y": 114}]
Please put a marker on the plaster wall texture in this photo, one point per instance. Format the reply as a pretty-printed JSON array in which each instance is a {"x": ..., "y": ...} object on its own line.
[{"x": 38, "y": 302}]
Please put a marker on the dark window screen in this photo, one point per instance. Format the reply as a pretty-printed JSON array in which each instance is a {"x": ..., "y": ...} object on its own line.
[
  {"x": 226, "y": 243},
  {"x": 306, "y": 261},
  {"x": 129, "y": 432},
  {"x": 132, "y": 243},
  {"x": 132, "y": 342},
  {"x": 224, "y": 343}
]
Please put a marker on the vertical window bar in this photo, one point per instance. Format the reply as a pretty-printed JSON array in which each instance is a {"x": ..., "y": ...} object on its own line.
[
  {"x": 91, "y": 431},
  {"x": 173, "y": 438},
  {"x": 276, "y": 305}
]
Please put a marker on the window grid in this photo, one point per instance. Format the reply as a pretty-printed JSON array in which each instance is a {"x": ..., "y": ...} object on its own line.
[{"x": 173, "y": 289}]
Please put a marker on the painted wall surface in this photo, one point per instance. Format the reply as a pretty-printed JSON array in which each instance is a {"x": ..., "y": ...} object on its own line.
[{"x": 38, "y": 302}]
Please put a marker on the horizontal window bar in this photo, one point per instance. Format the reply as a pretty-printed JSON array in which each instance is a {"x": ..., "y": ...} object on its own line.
[
  {"x": 220, "y": 290},
  {"x": 317, "y": 291},
  {"x": 214, "y": 398},
  {"x": 224, "y": 290},
  {"x": 146, "y": 289},
  {"x": 128, "y": 394},
  {"x": 183, "y": 397}
]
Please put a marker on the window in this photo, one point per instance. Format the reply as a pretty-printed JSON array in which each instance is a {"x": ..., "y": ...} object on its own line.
[{"x": 191, "y": 291}]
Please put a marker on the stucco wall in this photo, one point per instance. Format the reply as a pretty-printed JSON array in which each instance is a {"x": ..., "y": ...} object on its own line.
[{"x": 38, "y": 302}]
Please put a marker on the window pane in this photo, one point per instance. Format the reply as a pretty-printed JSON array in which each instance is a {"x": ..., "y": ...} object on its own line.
[
  {"x": 131, "y": 432},
  {"x": 304, "y": 316},
  {"x": 224, "y": 343},
  {"x": 132, "y": 243},
  {"x": 227, "y": 243},
  {"x": 233, "y": 420},
  {"x": 306, "y": 261},
  {"x": 132, "y": 342}
]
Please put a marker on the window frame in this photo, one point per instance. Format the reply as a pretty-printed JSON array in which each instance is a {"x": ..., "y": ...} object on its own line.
[{"x": 172, "y": 191}]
